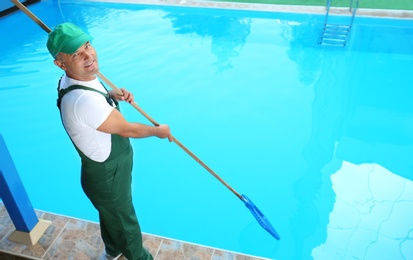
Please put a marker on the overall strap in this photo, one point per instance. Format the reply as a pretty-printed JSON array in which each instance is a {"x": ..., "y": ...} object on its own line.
[
  {"x": 119, "y": 144},
  {"x": 63, "y": 92}
]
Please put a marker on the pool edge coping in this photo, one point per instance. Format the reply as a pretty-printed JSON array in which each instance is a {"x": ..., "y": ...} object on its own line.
[{"x": 365, "y": 12}]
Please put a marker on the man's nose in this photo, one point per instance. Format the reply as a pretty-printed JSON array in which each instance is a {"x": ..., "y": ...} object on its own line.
[{"x": 86, "y": 55}]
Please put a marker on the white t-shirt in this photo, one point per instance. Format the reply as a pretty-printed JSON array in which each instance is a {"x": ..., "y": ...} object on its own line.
[{"x": 83, "y": 111}]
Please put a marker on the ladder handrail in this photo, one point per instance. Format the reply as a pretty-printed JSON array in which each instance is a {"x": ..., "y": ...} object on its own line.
[
  {"x": 328, "y": 4},
  {"x": 354, "y": 12}
]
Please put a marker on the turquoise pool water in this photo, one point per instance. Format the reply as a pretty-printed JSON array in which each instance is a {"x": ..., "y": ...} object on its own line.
[{"x": 320, "y": 138}]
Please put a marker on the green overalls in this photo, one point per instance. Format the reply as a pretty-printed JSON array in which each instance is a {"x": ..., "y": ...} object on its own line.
[{"x": 108, "y": 186}]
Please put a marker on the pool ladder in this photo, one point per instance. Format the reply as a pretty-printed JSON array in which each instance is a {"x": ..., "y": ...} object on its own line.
[{"x": 337, "y": 34}]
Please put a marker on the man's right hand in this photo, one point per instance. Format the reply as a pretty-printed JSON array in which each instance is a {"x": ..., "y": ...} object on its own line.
[{"x": 165, "y": 132}]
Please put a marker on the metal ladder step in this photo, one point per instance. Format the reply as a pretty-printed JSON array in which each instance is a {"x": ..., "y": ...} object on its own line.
[
  {"x": 336, "y": 27},
  {"x": 336, "y": 34}
]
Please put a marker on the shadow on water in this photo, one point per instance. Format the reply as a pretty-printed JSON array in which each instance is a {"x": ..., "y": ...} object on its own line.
[{"x": 228, "y": 34}]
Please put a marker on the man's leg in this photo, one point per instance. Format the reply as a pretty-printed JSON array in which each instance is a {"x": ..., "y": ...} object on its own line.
[{"x": 109, "y": 189}]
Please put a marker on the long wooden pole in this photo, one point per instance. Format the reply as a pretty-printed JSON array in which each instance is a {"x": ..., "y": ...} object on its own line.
[{"x": 134, "y": 104}]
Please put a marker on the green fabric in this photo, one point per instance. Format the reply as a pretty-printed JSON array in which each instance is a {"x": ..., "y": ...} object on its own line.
[
  {"x": 66, "y": 38},
  {"x": 62, "y": 92},
  {"x": 108, "y": 186}
]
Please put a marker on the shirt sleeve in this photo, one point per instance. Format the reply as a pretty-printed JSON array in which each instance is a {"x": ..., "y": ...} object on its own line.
[{"x": 92, "y": 109}]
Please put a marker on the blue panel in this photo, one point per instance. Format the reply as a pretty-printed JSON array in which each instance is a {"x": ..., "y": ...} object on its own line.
[
  {"x": 5, "y": 5},
  {"x": 13, "y": 194}
]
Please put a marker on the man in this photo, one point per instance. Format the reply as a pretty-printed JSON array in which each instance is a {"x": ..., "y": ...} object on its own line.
[{"x": 99, "y": 132}]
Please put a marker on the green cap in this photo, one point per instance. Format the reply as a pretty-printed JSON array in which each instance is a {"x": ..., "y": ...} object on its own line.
[{"x": 66, "y": 38}]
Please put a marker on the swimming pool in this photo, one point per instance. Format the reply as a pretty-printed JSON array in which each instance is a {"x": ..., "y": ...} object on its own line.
[{"x": 319, "y": 138}]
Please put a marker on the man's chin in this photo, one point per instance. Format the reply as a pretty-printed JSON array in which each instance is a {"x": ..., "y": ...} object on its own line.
[
  {"x": 96, "y": 69},
  {"x": 92, "y": 70}
]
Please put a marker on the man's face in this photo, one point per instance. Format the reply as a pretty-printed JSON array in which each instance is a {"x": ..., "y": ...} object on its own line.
[{"x": 81, "y": 65}]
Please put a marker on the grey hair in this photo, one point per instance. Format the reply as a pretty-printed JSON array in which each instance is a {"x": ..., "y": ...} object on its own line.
[{"x": 59, "y": 57}]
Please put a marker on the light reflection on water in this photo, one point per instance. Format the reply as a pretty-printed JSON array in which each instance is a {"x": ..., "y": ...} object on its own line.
[
  {"x": 304, "y": 131},
  {"x": 368, "y": 217}
]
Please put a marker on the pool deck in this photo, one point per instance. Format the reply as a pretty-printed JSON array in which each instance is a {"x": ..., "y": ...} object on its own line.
[
  {"x": 71, "y": 238},
  {"x": 379, "y": 13}
]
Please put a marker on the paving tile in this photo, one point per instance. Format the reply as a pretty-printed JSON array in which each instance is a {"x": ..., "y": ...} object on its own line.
[
  {"x": 68, "y": 238},
  {"x": 225, "y": 255},
  {"x": 175, "y": 250},
  {"x": 40, "y": 248},
  {"x": 6, "y": 225},
  {"x": 151, "y": 243},
  {"x": 79, "y": 240},
  {"x": 222, "y": 255}
]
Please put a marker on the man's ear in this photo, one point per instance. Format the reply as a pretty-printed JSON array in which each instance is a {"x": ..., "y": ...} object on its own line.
[{"x": 59, "y": 64}]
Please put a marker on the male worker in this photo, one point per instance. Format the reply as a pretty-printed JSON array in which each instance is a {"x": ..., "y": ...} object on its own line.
[{"x": 99, "y": 132}]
